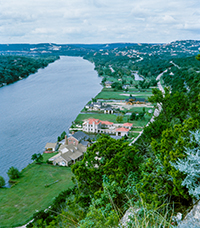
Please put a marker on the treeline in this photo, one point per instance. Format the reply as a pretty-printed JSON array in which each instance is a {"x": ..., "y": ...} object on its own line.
[{"x": 14, "y": 68}]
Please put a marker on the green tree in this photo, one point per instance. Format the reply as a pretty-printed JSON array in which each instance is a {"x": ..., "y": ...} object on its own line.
[
  {"x": 117, "y": 85},
  {"x": 63, "y": 135},
  {"x": 119, "y": 119},
  {"x": 110, "y": 157},
  {"x": 133, "y": 116},
  {"x": 37, "y": 157},
  {"x": 59, "y": 139},
  {"x": 2, "y": 182},
  {"x": 13, "y": 173},
  {"x": 159, "y": 177},
  {"x": 94, "y": 100}
]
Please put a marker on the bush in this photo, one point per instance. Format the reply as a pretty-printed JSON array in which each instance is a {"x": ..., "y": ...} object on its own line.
[
  {"x": 37, "y": 157},
  {"x": 2, "y": 182},
  {"x": 13, "y": 173}
]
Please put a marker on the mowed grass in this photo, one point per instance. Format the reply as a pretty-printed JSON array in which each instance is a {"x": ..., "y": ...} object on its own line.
[
  {"x": 108, "y": 117},
  {"x": 107, "y": 94},
  {"x": 20, "y": 202},
  {"x": 112, "y": 118},
  {"x": 138, "y": 109}
]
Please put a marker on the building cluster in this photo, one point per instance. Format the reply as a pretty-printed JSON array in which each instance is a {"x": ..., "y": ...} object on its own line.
[
  {"x": 98, "y": 106},
  {"x": 92, "y": 125},
  {"x": 70, "y": 150}
]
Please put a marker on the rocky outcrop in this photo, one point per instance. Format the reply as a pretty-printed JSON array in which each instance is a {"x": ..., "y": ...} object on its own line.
[{"x": 192, "y": 219}]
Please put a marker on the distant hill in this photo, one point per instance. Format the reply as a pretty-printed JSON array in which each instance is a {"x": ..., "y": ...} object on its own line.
[{"x": 187, "y": 46}]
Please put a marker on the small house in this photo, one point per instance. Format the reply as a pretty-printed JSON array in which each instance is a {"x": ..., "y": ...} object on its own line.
[
  {"x": 108, "y": 84},
  {"x": 77, "y": 137},
  {"x": 51, "y": 147}
]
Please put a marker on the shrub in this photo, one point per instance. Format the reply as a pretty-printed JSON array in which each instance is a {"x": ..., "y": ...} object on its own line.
[
  {"x": 190, "y": 165},
  {"x": 37, "y": 157},
  {"x": 13, "y": 173},
  {"x": 2, "y": 182}
]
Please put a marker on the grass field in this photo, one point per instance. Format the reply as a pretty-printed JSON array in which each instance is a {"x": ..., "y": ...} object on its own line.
[
  {"x": 20, "y": 202},
  {"x": 112, "y": 118},
  {"x": 109, "y": 117},
  {"x": 138, "y": 109},
  {"x": 107, "y": 94}
]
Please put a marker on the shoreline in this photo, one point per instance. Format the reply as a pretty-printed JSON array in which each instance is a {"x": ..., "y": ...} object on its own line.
[{"x": 66, "y": 113}]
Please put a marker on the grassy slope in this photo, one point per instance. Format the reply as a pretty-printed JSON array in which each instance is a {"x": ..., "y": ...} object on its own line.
[{"x": 20, "y": 202}]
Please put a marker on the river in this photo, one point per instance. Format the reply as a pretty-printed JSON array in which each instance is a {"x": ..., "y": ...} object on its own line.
[{"x": 38, "y": 109}]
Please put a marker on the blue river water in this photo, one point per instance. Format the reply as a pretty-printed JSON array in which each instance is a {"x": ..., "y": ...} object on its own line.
[{"x": 38, "y": 109}]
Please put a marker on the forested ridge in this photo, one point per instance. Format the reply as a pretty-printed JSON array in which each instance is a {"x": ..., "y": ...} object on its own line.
[{"x": 14, "y": 68}]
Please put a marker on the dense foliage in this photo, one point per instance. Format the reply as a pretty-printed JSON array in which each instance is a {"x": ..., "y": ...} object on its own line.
[{"x": 14, "y": 68}]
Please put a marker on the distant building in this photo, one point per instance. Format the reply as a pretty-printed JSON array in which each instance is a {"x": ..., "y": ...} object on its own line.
[
  {"x": 108, "y": 84},
  {"x": 135, "y": 100}
]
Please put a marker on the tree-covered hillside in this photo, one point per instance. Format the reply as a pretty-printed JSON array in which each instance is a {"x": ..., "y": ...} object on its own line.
[{"x": 14, "y": 68}]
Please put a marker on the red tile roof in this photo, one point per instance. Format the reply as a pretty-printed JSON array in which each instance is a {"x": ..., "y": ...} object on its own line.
[
  {"x": 106, "y": 122},
  {"x": 122, "y": 129},
  {"x": 92, "y": 120},
  {"x": 127, "y": 124},
  {"x": 97, "y": 121}
]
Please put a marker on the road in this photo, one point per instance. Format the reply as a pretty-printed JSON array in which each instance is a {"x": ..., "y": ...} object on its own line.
[{"x": 157, "y": 110}]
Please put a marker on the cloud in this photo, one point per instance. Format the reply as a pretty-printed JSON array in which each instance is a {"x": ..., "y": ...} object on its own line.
[{"x": 92, "y": 21}]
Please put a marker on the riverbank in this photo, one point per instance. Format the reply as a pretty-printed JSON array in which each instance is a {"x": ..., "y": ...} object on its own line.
[
  {"x": 30, "y": 192},
  {"x": 36, "y": 110},
  {"x": 15, "y": 68}
]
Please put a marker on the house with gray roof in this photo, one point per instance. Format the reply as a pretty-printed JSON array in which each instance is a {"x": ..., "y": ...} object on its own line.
[{"x": 68, "y": 155}]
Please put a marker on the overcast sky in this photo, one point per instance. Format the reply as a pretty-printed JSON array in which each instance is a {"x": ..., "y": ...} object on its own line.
[{"x": 98, "y": 21}]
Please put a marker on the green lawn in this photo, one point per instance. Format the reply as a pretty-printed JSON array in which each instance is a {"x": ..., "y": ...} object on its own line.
[
  {"x": 132, "y": 136},
  {"x": 138, "y": 109},
  {"x": 136, "y": 129},
  {"x": 109, "y": 117},
  {"x": 107, "y": 94},
  {"x": 112, "y": 118},
  {"x": 21, "y": 201}
]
